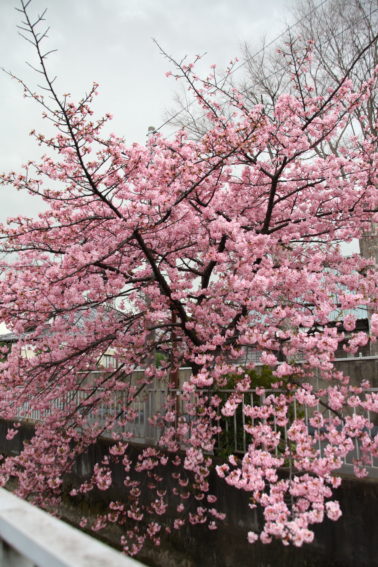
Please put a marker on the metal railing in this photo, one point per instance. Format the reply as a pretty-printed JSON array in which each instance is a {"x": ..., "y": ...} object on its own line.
[
  {"x": 234, "y": 438},
  {"x": 148, "y": 409}
]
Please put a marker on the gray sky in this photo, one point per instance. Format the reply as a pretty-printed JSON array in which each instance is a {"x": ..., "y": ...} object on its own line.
[{"x": 110, "y": 42}]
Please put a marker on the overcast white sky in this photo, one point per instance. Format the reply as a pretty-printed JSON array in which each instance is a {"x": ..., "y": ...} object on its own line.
[{"x": 110, "y": 42}]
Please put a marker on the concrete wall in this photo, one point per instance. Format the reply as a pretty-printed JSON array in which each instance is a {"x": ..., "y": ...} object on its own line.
[
  {"x": 364, "y": 368},
  {"x": 350, "y": 542}
]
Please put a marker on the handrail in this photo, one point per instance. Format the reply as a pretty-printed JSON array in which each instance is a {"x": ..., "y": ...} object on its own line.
[{"x": 34, "y": 538}]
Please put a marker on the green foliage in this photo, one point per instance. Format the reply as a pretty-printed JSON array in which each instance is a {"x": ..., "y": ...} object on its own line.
[
  {"x": 160, "y": 357},
  {"x": 261, "y": 377},
  {"x": 4, "y": 355},
  {"x": 233, "y": 436}
]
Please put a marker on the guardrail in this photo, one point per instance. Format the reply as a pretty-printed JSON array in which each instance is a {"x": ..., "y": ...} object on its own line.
[
  {"x": 233, "y": 435},
  {"x": 30, "y": 537}
]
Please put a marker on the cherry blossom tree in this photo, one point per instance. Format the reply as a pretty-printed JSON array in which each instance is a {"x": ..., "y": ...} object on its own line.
[
  {"x": 339, "y": 31},
  {"x": 195, "y": 250}
]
